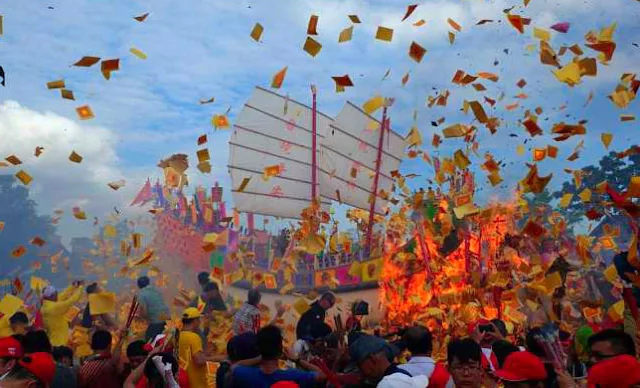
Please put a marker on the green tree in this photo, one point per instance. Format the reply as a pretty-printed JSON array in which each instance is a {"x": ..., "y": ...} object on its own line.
[
  {"x": 612, "y": 169},
  {"x": 22, "y": 224}
]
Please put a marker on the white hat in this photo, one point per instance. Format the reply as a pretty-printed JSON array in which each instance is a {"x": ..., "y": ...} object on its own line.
[
  {"x": 400, "y": 380},
  {"x": 49, "y": 291}
]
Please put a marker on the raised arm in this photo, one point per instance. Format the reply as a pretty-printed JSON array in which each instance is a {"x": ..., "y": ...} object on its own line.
[{"x": 63, "y": 305}]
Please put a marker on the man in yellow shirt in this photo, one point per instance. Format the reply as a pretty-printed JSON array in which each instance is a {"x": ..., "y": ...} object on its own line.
[
  {"x": 54, "y": 310},
  {"x": 190, "y": 347}
]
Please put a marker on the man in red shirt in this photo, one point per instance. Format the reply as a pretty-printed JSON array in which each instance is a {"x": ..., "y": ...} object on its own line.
[{"x": 101, "y": 369}]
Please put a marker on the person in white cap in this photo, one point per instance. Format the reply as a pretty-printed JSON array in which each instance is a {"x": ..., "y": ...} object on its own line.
[{"x": 54, "y": 310}]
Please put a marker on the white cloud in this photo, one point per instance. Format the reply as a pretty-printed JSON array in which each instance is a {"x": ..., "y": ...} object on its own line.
[{"x": 57, "y": 182}]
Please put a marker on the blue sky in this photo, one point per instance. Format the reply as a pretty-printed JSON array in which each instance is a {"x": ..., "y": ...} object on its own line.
[{"x": 200, "y": 49}]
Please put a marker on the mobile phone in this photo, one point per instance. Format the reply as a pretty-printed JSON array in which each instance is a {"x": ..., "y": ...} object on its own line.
[{"x": 485, "y": 328}]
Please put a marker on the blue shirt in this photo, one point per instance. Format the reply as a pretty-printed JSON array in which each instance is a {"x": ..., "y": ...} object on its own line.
[
  {"x": 246, "y": 376},
  {"x": 151, "y": 300}
]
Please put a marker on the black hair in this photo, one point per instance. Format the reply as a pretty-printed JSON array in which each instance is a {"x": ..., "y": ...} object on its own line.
[
  {"x": 143, "y": 281},
  {"x": 203, "y": 278},
  {"x": 186, "y": 321},
  {"x": 92, "y": 288},
  {"x": 151, "y": 372},
  {"x": 101, "y": 340},
  {"x": 36, "y": 341},
  {"x": 19, "y": 317},
  {"x": 502, "y": 349},
  {"x": 532, "y": 344},
  {"x": 464, "y": 350},
  {"x": 269, "y": 342},
  {"x": 211, "y": 286},
  {"x": 136, "y": 348},
  {"x": 502, "y": 328},
  {"x": 418, "y": 340},
  {"x": 329, "y": 295},
  {"x": 60, "y": 352},
  {"x": 253, "y": 296},
  {"x": 620, "y": 341},
  {"x": 242, "y": 347},
  {"x": 20, "y": 373}
]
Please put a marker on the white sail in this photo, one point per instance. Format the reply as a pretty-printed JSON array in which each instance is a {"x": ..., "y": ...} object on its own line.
[
  {"x": 264, "y": 135},
  {"x": 349, "y": 148}
]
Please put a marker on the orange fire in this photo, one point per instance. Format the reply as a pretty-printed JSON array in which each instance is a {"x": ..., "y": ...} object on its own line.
[{"x": 440, "y": 291}]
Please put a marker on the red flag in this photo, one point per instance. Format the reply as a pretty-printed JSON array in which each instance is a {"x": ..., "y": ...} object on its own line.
[{"x": 145, "y": 195}]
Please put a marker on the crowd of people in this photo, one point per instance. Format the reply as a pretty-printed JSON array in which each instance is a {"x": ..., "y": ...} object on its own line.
[{"x": 37, "y": 352}]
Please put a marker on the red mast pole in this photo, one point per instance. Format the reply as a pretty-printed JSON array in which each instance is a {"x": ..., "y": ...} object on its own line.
[
  {"x": 314, "y": 145},
  {"x": 376, "y": 178}
]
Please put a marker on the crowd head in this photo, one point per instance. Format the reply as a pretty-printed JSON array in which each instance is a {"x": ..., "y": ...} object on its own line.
[
  {"x": 610, "y": 343},
  {"x": 418, "y": 340},
  {"x": 269, "y": 342},
  {"x": 465, "y": 365},
  {"x": 143, "y": 281},
  {"x": 254, "y": 297},
  {"x": 327, "y": 300}
]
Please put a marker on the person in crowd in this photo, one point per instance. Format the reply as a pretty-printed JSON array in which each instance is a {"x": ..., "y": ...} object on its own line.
[
  {"x": 486, "y": 333},
  {"x": 152, "y": 308},
  {"x": 270, "y": 346},
  {"x": 522, "y": 370},
  {"x": 104, "y": 321},
  {"x": 101, "y": 369},
  {"x": 54, "y": 310},
  {"x": 36, "y": 342},
  {"x": 312, "y": 345},
  {"x": 203, "y": 279},
  {"x": 241, "y": 349},
  {"x": 374, "y": 357},
  {"x": 191, "y": 348},
  {"x": 63, "y": 355},
  {"x": 247, "y": 319},
  {"x": 501, "y": 349},
  {"x": 534, "y": 347},
  {"x": 35, "y": 370},
  {"x": 615, "y": 372},
  {"x": 315, "y": 315},
  {"x": 419, "y": 342},
  {"x": 137, "y": 352},
  {"x": 358, "y": 309},
  {"x": 159, "y": 370},
  {"x": 19, "y": 323},
  {"x": 464, "y": 357},
  {"x": 10, "y": 353},
  {"x": 212, "y": 298},
  {"x": 610, "y": 343},
  {"x": 66, "y": 375}
]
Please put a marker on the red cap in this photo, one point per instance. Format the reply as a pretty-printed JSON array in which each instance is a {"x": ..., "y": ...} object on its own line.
[
  {"x": 522, "y": 366},
  {"x": 41, "y": 365},
  {"x": 285, "y": 384},
  {"x": 619, "y": 371},
  {"x": 10, "y": 347}
]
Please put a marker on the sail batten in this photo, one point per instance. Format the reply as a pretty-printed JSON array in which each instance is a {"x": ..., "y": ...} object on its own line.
[
  {"x": 274, "y": 131},
  {"x": 349, "y": 156}
]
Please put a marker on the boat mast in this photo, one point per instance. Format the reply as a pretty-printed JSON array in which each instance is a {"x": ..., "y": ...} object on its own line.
[
  {"x": 314, "y": 145},
  {"x": 376, "y": 178}
]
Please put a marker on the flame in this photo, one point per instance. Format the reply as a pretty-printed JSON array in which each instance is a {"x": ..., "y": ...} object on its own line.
[{"x": 439, "y": 291}]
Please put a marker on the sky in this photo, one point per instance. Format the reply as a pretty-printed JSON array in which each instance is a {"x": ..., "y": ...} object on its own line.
[{"x": 199, "y": 49}]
